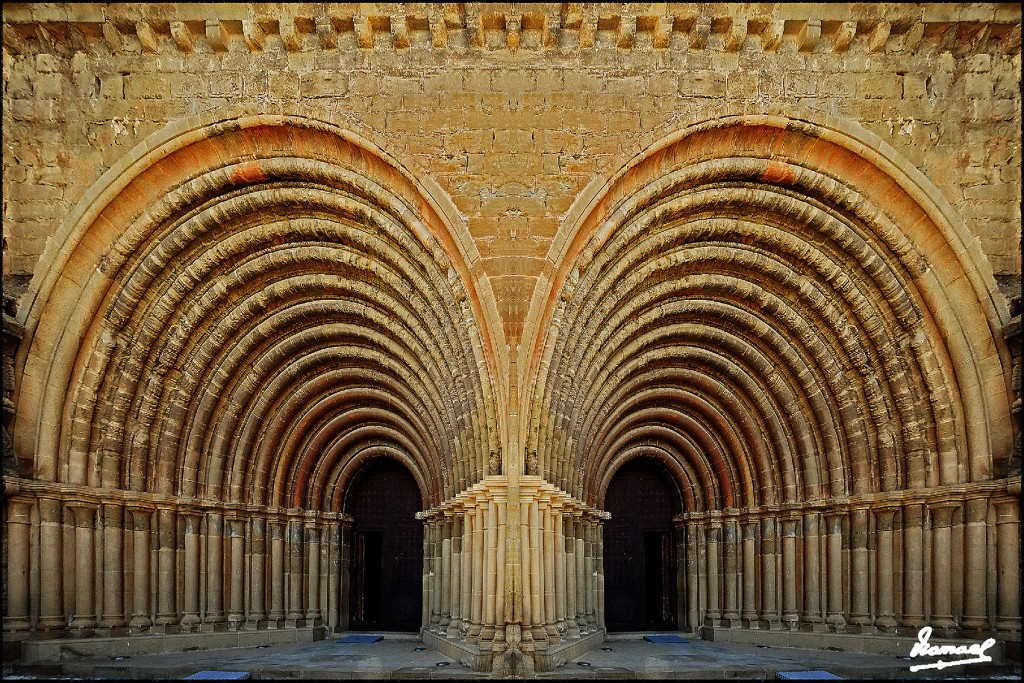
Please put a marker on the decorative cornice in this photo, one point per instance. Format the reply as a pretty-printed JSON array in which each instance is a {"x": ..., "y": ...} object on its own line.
[{"x": 472, "y": 28}]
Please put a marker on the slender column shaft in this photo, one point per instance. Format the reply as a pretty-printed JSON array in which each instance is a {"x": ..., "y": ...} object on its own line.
[
  {"x": 500, "y": 509},
  {"x": 478, "y": 574},
  {"x": 257, "y": 569},
  {"x": 51, "y": 566},
  {"x": 1008, "y": 565},
  {"x": 215, "y": 568},
  {"x": 236, "y": 605},
  {"x": 428, "y": 579},
  {"x": 885, "y": 620},
  {"x": 688, "y": 540},
  {"x": 113, "y": 567},
  {"x": 276, "y": 573},
  {"x": 436, "y": 551},
  {"x": 456, "y": 576},
  {"x": 559, "y": 552},
  {"x": 713, "y": 535},
  {"x": 599, "y": 573},
  {"x": 975, "y": 561},
  {"x": 834, "y": 526},
  {"x": 860, "y": 576},
  {"x": 167, "y": 540},
  {"x": 140, "y": 575},
  {"x": 942, "y": 610},
  {"x": 446, "y": 572},
  {"x": 581, "y": 576},
  {"x": 572, "y": 628},
  {"x": 312, "y": 573},
  {"x": 491, "y": 571},
  {"x": 190, "y": 617},
  {"x": 769, "y": 551},
  {"x": 467, "y": 572},
  {"x": 812, "y": 570},
  {"x": 536, "y": 577},
  {"x": 335, "y": 569},
  {"x": 85, "y": 531},
  {"x": 294, "y": 615},
  {"x": 749, "y": 613},
  {"x": 589, "y": 528},
  {"x": 548, "y": 519},
  {"x": 729, "y": 536},
  {"x": 913, "y": 566},
  {"x": 19, "y": 526},
  {"x": 790, "y": 527},
  {"x": 529, "y": 580}
]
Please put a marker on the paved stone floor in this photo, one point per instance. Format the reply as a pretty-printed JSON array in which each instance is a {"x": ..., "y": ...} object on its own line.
[{"x": 402, "y": 656}]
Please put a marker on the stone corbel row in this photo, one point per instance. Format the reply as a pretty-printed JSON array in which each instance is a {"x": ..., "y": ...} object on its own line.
[
  {"x": 477, "y": 26},
  {"x": 464, "y": 566},
  {"x": 110, "y": 566},
  {"x": 859, "y": 567}
]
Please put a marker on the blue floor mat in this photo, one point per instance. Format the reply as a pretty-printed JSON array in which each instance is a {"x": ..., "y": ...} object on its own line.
[
  {"x": 665, "y": 639},
  {"x": 361, "y": 639}
]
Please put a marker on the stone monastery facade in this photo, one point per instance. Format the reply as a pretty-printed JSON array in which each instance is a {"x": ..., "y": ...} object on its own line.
[{"x": 765, "y": 256}]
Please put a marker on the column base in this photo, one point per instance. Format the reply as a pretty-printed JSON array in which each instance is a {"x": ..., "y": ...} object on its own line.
[
  {"x": 1008, "y": 624},
  {"x": 493, "y": 652},
  {"x": 886, "y": 624},
  {"x": 860, "y": 627},
  {"x": 812, "y": 627},
  {"x": 214, "y": 626},
  {"x": 770, "y": 625},
  {"x": 17, "y": 624},
  {"x": 974, "y": 624},
  {"x": 835, "y": 623}
]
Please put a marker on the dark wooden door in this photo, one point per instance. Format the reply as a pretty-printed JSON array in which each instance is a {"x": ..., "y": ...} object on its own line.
[
  {"x": 387, "y": 549},
  {"x": 639, "y": 552}
]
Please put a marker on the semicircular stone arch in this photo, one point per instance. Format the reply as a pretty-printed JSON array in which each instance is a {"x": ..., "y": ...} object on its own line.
[
  {"x": 790, "y": 317},
  {"x": 243, "y": 312}
]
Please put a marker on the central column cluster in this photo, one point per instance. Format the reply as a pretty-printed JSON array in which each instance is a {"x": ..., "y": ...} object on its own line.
[{"x": 468, "y": 604}]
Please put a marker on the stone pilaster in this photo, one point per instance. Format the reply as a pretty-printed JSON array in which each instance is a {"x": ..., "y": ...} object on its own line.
[
  {"x": 142, "y": 543},
  {"x": 1008, "y": 564},
  {"x": 791, "y": 528},
  {"x": 885, "y": 621},
  {"x": 236, "y": 577},
  {"x": 942, "y": 614},
  {"x": 52, "y": 616},
  {"x": 257, "y": 617},
  {"x": 860, "y": 575},
  {"x": 976, "y": 562},
  {"x": 213, "y": 617},
  {"x": 19, "y": 527},
  {"x": 84, "y": 620},
  {"x": 810, "y": 618}
]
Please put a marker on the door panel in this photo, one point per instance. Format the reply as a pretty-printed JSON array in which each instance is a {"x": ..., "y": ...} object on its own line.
[
  {"x": 639, "y": 549},
  {"x": 387, "y": 549}
]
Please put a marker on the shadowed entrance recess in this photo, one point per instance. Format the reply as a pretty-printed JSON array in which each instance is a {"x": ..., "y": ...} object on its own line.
[
  {"x": 639, "y": 555},
  {"x": 387, "y": 549}
]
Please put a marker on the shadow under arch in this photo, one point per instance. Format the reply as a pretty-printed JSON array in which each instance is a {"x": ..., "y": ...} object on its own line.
[
  {"x": 383, "y": 580},
  {"x": 644, "y": 546}
]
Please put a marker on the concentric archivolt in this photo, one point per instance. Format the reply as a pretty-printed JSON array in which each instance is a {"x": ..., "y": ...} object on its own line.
[
  {"x": 769, "y": 314},
  {"x": 252, "y": 315}
]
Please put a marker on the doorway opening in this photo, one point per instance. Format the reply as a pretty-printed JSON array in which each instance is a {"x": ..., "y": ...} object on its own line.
[
  {"x": 385, "y": 573},
  {"x": 639, "y": 549}
]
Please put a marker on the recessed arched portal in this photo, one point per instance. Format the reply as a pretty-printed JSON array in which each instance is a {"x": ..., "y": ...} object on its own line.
[
  {"x": 385, "y": 572},
  {"x": 640, "y": 559}
]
